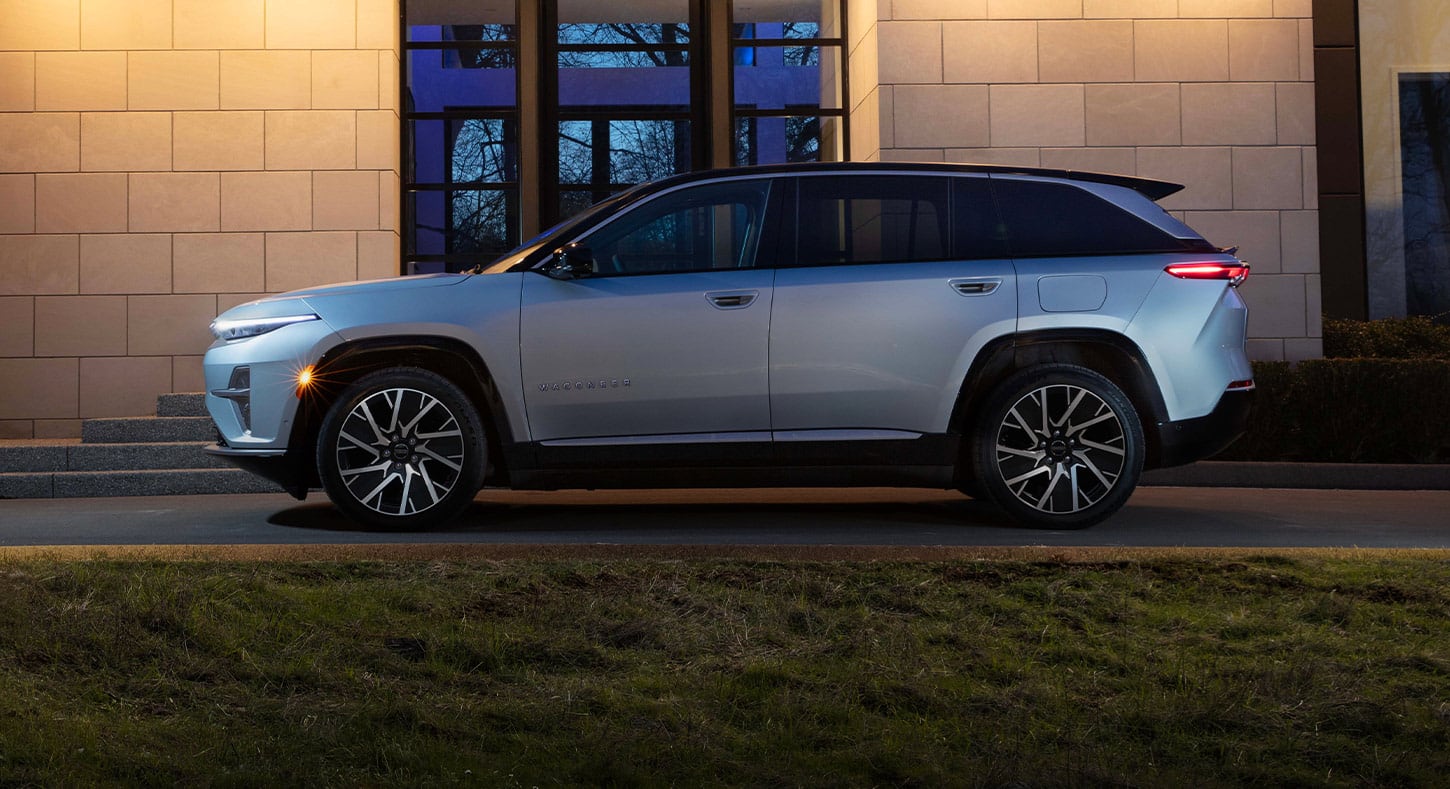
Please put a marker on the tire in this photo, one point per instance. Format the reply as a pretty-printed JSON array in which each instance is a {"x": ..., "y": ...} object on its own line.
[
  {"x": 401, "y": 449},
  {"x": 1058, "y": 447}
]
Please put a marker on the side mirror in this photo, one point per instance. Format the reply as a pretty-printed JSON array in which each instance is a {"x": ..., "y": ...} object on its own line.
[{"x": 571, "y": 262}]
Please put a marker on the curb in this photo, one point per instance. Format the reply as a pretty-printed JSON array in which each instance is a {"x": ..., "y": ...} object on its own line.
[{"x": 1344, "y": 476}]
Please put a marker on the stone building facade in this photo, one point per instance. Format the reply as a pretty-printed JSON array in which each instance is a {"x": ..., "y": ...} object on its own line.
[{"x": 162, "y": 160}]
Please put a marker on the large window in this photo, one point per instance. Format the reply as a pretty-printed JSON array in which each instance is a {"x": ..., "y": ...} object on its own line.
[
  {"x": 461, "y": 173},
  {"x": 517, "y": 115},
  {"x": 1425, "y": 191},
  {"x": 789, "y": 81},
  {"x": 623, "y": 73},
  {"x": 1405, "y": 124}
]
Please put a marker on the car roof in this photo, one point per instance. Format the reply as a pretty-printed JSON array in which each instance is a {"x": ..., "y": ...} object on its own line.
[{"x": 1148, "y": 187}]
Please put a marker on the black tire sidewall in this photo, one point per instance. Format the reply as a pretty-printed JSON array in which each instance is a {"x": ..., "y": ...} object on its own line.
[
  {"x": 470, "y": 478},
  {"x": 988, "y": 476}
]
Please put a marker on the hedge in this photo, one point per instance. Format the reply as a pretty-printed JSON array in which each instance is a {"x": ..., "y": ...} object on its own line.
[
  {"x": 1349, "y": 411},
  {"x": 1415, "y": 337}
]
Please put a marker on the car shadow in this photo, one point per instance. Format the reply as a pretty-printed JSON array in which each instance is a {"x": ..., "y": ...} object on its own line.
[{"x": 636, "y": 520}]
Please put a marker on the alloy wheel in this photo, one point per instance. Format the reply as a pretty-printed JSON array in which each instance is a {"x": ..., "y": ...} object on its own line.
[
  {"x": 400, "y": 451},
  {"x": 1060, "y": 449}
]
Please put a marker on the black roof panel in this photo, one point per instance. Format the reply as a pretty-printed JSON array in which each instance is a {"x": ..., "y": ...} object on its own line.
[{"x": 1148, "y": 187}]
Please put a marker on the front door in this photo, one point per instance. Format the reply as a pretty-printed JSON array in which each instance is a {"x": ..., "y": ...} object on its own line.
[{"x": 667, "y": 339}]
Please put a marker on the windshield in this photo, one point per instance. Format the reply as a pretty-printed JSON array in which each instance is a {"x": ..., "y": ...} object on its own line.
[{"x": 564, "y": 228}]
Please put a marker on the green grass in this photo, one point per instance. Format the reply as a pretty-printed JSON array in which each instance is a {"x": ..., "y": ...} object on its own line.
[{"x": 1161, "y": 671}]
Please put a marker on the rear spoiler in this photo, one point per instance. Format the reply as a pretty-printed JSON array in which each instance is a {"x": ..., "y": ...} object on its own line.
[{"x": 1148, "y": 187}]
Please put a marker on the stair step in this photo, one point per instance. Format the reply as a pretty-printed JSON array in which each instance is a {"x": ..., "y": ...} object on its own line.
[
  {"x": 147, "y": 430},
  {"x": 74, "y": 456},
  {"x": 34, "y": 455},
  {"x": 181, "y": 404},
  {"x": 169, "y": 482},
  {"x": 142, "y": 457}
]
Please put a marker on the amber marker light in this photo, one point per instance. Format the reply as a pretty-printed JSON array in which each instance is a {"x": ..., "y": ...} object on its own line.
[{"x": 304, "y": 379}]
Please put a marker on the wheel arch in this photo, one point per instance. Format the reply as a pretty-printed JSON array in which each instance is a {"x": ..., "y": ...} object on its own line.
[
  {"x": 446, "y": 356},
  {"x": 1108, "y": 353}
]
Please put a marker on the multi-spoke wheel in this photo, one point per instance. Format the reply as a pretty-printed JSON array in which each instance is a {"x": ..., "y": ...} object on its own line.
[
  {"x": 1059, "y": 446},
  {"x": 401, "y": 449}
]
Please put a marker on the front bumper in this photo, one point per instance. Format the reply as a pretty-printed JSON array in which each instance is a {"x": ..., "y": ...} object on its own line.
[
  {"x": 280, "y": 466},
  {"x": 1188, "y": 440}
]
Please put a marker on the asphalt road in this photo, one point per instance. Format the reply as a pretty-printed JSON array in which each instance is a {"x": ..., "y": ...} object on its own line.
[{"x": 1207, "y": 517}]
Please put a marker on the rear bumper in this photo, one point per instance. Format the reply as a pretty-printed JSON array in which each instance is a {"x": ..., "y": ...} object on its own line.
[
  {"x": 277, "y": 465},
  {"x": 1189, "y": 440}
]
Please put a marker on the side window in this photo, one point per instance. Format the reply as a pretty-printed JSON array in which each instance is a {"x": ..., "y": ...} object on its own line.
[
  {"x": 871, "y": 219},
  {"x": 714, "y": 226},
  {"x": 1047, "y": 219},
  {"x": 978, "y": 230}
]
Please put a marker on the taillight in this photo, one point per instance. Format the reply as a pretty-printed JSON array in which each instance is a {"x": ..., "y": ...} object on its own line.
[
  {"x": 1241, "y": 386},
  {"x": 1235, "y": 273}
]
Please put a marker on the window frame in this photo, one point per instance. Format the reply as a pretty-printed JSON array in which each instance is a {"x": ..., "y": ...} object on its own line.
[{"x": 411, "y": 187}]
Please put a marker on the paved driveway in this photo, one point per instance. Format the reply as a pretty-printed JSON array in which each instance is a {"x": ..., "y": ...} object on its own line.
[{"x": 1231, "y": 517}]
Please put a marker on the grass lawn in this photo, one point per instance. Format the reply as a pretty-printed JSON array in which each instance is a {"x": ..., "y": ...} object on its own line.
[{"x": 1298, "y": 669}]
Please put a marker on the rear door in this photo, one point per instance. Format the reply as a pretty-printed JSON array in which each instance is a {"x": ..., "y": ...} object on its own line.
[
  {"x": 668, "y": 339},
  {"x": 899, "y": 279}
]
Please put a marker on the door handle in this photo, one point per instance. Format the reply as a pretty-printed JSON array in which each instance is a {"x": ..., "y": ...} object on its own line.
[
  {"x": 732, "y": 299},
  {"x": 974, "y": 286}
]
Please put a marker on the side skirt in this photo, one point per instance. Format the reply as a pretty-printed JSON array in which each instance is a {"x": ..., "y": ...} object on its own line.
[{"x": 926, "y": 462}]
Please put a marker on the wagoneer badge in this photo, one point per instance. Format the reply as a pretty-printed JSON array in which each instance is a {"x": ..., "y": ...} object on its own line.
[{"x": 567, "y": 386}]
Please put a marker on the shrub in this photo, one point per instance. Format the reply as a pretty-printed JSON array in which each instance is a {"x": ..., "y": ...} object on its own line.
[
  {"x": 1415, "y": 337},
  {"x": 1349, "y": 411}
]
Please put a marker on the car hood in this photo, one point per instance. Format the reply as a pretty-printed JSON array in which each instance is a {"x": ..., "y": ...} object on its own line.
[{"x": 371, "y": 285}]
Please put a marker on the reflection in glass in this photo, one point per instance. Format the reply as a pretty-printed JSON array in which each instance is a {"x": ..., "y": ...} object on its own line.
[
  {"x": 579, "y": 41},
  {"x": 708, "y": 227},
  {"x": 778, "y": 77},
  {"x": 797, "y": 19},
  {"x": 480, "y": 222},
  {"x": 467, "y": 222},
  {"x": 1425, "y": 173},
  {"x": 790, "y": 138},
  {"x": 460, "y": 121},
  {"x": 464, "y": 151},
  {"x": 483, "y": 151},
  {"x": 633, "y": 151}
]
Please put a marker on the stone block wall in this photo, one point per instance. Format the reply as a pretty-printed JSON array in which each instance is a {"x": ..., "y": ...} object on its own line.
[
  {"x": 1214, "y": 94},
  {"x": 163, "y": 160}
]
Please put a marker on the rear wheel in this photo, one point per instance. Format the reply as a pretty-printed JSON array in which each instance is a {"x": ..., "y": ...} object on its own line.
[
  {"x": 401, "y": 448},
  {"x": 1059, "y": 447}
]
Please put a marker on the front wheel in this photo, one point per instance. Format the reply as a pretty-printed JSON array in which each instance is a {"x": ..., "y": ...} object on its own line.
[
  {"x": 1059, "y": 447},
  {"x": 401, "y": 449}
]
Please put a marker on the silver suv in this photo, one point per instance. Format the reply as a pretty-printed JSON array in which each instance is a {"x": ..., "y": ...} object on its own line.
[{"x": 1034, "y": 337}]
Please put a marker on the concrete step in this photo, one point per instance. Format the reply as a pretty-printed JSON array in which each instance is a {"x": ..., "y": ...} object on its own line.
[
  {"x": 170, "y": 482},
  {"x": 75, "y": 456},
  {"x": 181, "y": 404},
  {"x": 147, "y": 429},
  {"x": 39, "y": 455},
  {"x": 142, "y": 457}
]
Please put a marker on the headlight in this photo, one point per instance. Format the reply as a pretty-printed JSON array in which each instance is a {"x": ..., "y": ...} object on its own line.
[{"x": 243, "y": 328}]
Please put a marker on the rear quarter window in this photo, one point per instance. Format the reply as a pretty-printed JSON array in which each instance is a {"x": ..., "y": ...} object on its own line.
[{"x": 1045, "y": 219}]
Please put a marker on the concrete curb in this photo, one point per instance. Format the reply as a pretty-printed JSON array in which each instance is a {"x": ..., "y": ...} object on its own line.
[{"x": 1342, "y": 476}]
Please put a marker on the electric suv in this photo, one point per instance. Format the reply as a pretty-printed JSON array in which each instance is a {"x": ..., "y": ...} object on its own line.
[{"x": 1033, "y": 337}]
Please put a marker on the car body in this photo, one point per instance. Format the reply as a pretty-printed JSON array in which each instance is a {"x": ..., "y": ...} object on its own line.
[{"x": 1037, "y": 337}]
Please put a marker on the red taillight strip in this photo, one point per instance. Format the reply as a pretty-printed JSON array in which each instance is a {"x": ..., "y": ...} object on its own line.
[
  {"x": 1241, "y": 386},
  {"x": 1235, "y": 273}
]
